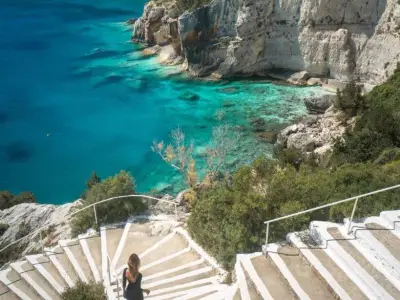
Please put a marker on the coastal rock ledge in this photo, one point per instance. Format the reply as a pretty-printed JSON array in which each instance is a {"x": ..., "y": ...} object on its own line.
[{"x": 338, "y": 39}]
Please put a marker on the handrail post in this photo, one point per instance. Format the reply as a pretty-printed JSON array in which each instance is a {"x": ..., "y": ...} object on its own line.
[
  {"x": 118, "y": 291},
  {"x": 95, "y": 215},
  {"x": 41, "y": 242},
  {"x": 267, "y": 235},
  {"x": 352, "y": 216}
]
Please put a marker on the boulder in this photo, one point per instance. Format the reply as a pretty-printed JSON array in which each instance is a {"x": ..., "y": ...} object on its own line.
[
  {"x": 299, "y": 78},
  {"x": 319, "y": 104}
]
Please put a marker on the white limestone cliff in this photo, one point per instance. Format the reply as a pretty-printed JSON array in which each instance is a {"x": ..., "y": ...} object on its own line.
[
  {"x": 339, "y": 39},
  {"x": 27, "y": 217}
]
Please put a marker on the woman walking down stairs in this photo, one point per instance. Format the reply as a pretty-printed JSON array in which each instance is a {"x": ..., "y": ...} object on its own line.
[
  {"x": 324, "y": 262},
  {"x": 173, "y": 266}
]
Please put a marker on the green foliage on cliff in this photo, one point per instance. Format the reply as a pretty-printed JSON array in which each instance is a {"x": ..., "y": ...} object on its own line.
[
  {"x": 350, "y": 100},
  {"x": 85, "y": 291},
  {"x": 228, "y": 219},
  {"x": 109, "y": 212},
  {"x": 377, "y": 129},
  {"x": 8, "y": 200}
]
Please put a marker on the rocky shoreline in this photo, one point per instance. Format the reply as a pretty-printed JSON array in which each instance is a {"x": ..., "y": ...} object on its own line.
[{"x": 331, "y": 40}]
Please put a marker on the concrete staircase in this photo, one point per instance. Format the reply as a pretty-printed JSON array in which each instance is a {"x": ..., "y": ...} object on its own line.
[
  {"x": 173, "y": 266},
  {"x": 325, "y": 262}
]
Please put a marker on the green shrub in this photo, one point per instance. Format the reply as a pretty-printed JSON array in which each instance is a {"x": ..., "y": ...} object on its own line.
[
  {"x": 85, "y": 291},
  {"x": 388, "y": 155},
  {"x": 229, "y": 218},
  {"x": 109, "y": 212},
  {"x": 12, "y": 253},
  {"x": 377, "y": 128},
  {"x": 350, "y": 100},
  {"x": 23, "y": 230},
  {"x": 8, "y": 200}
]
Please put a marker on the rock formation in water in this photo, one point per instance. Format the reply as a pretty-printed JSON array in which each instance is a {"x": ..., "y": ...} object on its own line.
[{"x": 337, "y": 39}]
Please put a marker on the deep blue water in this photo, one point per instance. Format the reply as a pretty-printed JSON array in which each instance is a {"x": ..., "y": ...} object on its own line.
[{"x": 77, "y": 96}]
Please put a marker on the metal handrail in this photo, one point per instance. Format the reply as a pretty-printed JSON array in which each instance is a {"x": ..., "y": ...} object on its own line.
[
  {"x": 355, "y": 198},
  {"x": 111, "y": 267},
  {"x": 35, "y": 232}
]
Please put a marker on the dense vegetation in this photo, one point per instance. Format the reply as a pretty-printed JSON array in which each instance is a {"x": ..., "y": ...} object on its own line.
[
  {"x": 110, "y": 212},
  {"x": 227, "y": 218},
  {"x": 8, "y": 200},
  {"x": 377, "y": 128},
  {"x": 85, "y": 291}
]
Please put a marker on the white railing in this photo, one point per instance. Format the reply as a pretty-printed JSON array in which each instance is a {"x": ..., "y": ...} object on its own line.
[
  {"x": 355, "y": 198},
  {"x": 109, "y": 286},
  {"x": 39, "y": 231}
]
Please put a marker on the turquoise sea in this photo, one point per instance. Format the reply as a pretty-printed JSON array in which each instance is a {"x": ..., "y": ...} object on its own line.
[{"x": 77, "y": 96}]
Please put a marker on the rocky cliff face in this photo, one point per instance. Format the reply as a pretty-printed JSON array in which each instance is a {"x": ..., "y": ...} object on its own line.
[
  {"x": 27, "y": 217},
  {"x": 340, "y": 39}
]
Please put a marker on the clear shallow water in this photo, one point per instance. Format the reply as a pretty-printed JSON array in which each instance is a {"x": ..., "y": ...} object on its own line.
[{"x": 77, "y": 96}]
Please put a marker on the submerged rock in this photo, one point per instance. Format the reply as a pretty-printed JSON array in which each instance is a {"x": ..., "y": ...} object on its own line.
[
  {"x": 189, "y": 96},
  {"x": 258, "y": 124},
  {"x": 18, "y": 152},
  {"x": 268, "y": 136},
  {"x": 230, "y": 90}
]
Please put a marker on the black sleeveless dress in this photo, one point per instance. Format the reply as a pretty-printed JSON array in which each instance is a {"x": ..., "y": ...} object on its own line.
[{"x": 134, "y": 290}]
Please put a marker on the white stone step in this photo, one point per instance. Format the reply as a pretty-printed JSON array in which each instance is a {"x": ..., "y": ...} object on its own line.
[
  {"x": 364, "y": 262},
  {"x": 113, "y": 235},
  {"x": 369, "y": 242},
  {"x": 6, "y": 293},
  {"x": 200, "y": 292},
  {"x": 185, "y": 286},
  {"x": 62, "y": 263},
  {"x": 91, "y": 246},
  {"x": 159, "y": 265},
  {"x": 273, "y": 252},
  {"x": 301, "y": 272},
  {"x": 194, "y": 292},
  {"x": 180, "y": 279},
  {"x": 35, "y": 280},
  {"x": 173, "y": 271},
  {"x": 241, "y": 279},
  {"x": 18, "y": 285},
  {"x": 141, "y": 244},
  {"x": 371, "y": 288},
  {"x": 110, "y": 238},
  {"x": 327, "y": 270},
  {"x": 275, "y": 284},
  {"x": 386, "y": 237},
  {"x": 78, "y": 259},
  {"x": 392, "y": 218},
  {"x": 175, "y": 266},
  {"x": 46, "y": 268}
]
